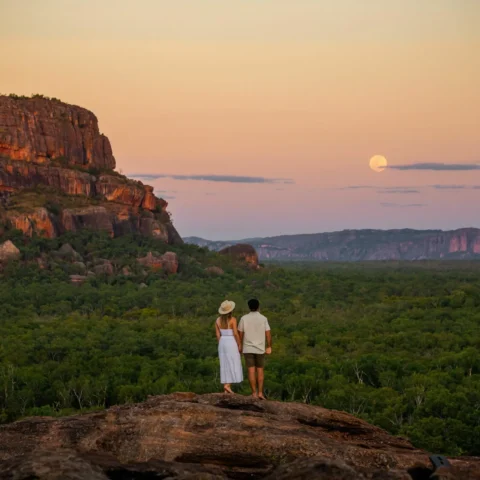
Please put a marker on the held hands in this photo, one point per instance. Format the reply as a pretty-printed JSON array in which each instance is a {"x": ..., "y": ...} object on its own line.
[
  {"x": 239, "y": 348},
  {"x": 268, "y": 351}
]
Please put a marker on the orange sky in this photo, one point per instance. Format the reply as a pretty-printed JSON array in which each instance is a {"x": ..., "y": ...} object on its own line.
[{"x": 307, "y": 90}]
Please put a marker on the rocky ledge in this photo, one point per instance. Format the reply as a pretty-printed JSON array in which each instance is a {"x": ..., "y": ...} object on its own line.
[
  {"x": 57, "y": 174},
  {"x": 214, "y": 436}
]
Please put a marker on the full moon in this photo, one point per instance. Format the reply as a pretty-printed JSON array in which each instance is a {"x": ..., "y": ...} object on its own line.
[{"x": 378, "y": 163}]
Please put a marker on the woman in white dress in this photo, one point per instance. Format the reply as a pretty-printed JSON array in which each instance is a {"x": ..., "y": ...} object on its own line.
[{"x": 229, "y": 346}]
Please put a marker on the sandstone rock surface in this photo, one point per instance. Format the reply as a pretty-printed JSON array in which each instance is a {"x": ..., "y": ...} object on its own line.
[
  {"x": 78, "y": 279},
  {"x": 38, "y": 130},
  {"x": 167, "y": 262},
  {"x": 242, "y": 252},
  {"x": 221, "y": 435},
  {"x": 213, "y": 270},
  {"x": 55, "y": 150},
  {"x": 8, "y": 251}
]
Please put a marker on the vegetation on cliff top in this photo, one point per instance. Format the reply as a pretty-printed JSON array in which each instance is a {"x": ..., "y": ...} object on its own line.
[{"x": 396, "y": 345}]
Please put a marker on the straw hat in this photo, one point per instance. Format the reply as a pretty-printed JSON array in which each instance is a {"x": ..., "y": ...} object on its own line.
[{"x": 226, "y": 307}]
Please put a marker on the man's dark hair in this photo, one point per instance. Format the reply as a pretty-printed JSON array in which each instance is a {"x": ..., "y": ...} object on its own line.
[{"x": 253, "y": 304}]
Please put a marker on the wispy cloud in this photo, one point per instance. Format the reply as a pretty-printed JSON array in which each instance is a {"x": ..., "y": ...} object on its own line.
[
  {"x": 412, "y": 190},
  {"x": 451, "y": 187},
  {"x": 383, "y": 189},
  {"x": 402, "y": 205},
  {"x": 436, "y": 166},
  {"x": 212, "y": 178},
  {"x": 396, "y": 190}
]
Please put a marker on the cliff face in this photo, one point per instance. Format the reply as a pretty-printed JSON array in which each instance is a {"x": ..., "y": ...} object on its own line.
[
  {"x": 39, "y": 130},
  {"x": 365, "y": 245},
  {"x": 52, "y": 153},
  {"x": 213, "y": 436}
]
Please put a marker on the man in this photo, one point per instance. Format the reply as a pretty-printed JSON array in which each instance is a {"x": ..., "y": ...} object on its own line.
[{"x": 253, "y": 328}]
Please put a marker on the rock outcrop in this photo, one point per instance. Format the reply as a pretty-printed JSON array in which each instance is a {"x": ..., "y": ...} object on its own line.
[
  {"x": 214, "y": 270},
  {"x": 364, "y": 245},
  {"x": 57, "y": 175},
  {"x": 214, "y": 436},
  {"x": 8, "y": 251},
  {"x": 38, "y": 130},
  {"x": 242, "y": 252},
  {"x": 167, "y": 262}
]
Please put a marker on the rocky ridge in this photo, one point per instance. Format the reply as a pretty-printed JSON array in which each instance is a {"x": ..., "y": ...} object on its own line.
[
  {"x": 213, "y": 436},
  {"x": 362, "y": 245},
  {"x": 57, "y": 175}
]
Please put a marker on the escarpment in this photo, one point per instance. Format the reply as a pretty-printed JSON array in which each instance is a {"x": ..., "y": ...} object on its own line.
[{"x": 57, "y": 174}]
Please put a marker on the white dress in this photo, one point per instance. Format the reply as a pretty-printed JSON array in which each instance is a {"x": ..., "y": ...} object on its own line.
[{"x": 230, "y": 362}]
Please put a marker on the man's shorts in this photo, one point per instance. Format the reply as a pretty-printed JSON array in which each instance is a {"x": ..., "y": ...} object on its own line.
[{"x": 254, "y": 360}]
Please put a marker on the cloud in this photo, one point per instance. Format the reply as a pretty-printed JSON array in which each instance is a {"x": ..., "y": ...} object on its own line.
[
  {"x": 437, "y": 166},
  {"x": 212, "y": 178},
  {"x": 450, "y": 187},
  {"x": 396, "y": 190},
  {"x": 402, "y": 205},
  {"x": 377, "y": 187}
]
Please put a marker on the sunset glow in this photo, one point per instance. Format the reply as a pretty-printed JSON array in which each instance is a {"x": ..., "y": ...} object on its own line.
[{"x": 304, "y": 91}]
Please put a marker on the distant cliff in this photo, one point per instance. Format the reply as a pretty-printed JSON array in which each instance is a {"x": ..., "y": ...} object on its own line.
[
  {"x": 363, "y": 245},
  {"x": 57, "y": 174}
]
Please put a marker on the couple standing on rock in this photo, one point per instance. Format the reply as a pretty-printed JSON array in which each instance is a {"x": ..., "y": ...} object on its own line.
[{"x": 248, "y": 338}]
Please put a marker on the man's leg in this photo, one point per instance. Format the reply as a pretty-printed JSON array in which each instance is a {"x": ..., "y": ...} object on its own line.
[
  {"x": 253, "y": 380},
  {"x": 260, "y": 378},
  {"x": 250, "y": 363}
]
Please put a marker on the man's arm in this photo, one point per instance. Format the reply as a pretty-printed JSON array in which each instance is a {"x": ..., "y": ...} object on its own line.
[
  {"x": 268, "y": 335},
  {"x": 240, "y": 331}
]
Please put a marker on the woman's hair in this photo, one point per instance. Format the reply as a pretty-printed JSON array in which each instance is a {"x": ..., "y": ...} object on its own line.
[{"x": 225, "y": 320}]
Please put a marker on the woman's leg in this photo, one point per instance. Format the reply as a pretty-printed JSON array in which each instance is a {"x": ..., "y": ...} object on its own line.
[{"x": 227, "y": 388}]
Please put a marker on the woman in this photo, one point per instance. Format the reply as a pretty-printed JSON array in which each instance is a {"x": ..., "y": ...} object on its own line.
[{"x": 229, "y": 346}]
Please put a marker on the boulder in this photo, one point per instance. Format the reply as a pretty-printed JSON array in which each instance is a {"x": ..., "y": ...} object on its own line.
[
  {"x": 167, "y": 262},
  {"x": 215, "y": 271},
  {"x": 8, "y": 251},
  {"x": 126, "y": 271},
  {"x": 67, "y": 252},
  {"x": 229, "y": 436},
  {"x": 170, "y": 262},
  {"x": 104, "y": 269},
  {"x": 242, "y": 252},
  {"x": 77, "y": 279}
]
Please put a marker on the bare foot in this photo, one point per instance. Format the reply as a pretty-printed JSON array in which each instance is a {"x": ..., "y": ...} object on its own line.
[
  {"x": 261, "y": 396},
  {"x": 228, "y": 390},
  {"x": 254, "y": 395}
]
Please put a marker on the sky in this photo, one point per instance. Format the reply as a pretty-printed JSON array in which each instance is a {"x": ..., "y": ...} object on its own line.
[{"x": 259, "y": 117}]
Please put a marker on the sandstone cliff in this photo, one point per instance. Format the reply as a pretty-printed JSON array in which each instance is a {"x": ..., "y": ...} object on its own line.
[
  {"x": 364, "y": 245},
  {"x": 213, "y": 436},
  {"x": 57, "y": 174}
]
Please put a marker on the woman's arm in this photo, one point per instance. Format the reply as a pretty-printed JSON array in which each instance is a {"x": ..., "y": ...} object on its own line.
[
  {"x": 236, "y": 335},
  {"x": 217, "y": 331}
]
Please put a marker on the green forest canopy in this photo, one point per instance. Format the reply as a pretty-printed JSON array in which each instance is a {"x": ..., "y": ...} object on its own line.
[{"x": 393, "y": 343}]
